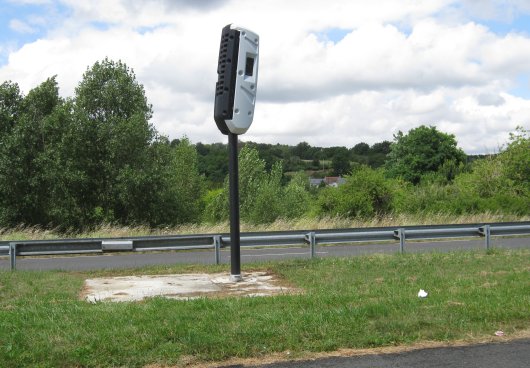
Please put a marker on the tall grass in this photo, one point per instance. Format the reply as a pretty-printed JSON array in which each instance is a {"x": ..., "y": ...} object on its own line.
[{"x": 305, "y": 223}]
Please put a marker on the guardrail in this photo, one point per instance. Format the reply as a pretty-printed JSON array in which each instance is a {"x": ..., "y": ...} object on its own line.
[{"x": 309, "y": 238}]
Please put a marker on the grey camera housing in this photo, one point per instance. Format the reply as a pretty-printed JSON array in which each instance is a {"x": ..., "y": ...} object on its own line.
[{"x": 236, "y": 87}]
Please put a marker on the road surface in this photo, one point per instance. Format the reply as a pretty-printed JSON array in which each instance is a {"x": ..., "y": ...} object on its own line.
[
  {"x": 513, "y": 354},
  {"x": 248, "y": 255}
]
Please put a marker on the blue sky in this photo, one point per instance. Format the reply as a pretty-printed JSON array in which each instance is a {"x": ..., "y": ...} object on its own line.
[
  {"x": 334, "y": 74},
  {"x": 23, "y": 23},
  {"x": 520, "y": 24}
]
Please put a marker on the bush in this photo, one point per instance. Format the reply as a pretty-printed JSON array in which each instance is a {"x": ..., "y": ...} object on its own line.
[
  {"x": 296, "y": 199},
  {"x": 366, "y": 193},
  {"x": 486, "y": 187},
  {"x": 261, "y": 195}
]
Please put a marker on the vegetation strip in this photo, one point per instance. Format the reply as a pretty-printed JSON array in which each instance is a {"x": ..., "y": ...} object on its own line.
[
  {"x": 96, "y": 157},
  {"x": 398, "y": 220},
  {"x": 349, "y": 303}
]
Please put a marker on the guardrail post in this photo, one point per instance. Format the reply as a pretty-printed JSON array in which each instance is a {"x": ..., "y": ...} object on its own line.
[
  {"x": 401, "y": 234},
  {"x": 312, "y": 239},
  {"x": 487, "y": 236},
  {"x": 217, "y": 245},
  {"x": 13, "y": 256}
]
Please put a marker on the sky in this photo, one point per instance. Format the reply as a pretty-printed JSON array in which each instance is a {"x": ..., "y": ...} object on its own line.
[{"x": 331, "y": 73}]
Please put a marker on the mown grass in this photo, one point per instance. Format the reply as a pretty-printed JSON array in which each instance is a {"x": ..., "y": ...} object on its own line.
[
  {"x": 348, "y": 303},
  {"x": 304, "y": 223}
]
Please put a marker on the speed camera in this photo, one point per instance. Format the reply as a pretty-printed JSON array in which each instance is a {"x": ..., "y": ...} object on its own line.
[{"x": 235, "y": 90}]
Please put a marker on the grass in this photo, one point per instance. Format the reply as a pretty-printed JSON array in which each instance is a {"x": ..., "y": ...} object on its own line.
[
  {"x": 356, "y": 302},
  {"x": 107, "y": 231}
]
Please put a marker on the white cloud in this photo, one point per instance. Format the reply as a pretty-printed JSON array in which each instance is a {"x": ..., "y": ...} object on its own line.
[
  {"x": 401, "y": 65},
  {"x": 502, "y": 10},
  {"x": 20, "y": 26}
]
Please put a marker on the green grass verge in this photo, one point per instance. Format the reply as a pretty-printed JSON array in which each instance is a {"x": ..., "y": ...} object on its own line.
[{"x": 348, "y": 303}]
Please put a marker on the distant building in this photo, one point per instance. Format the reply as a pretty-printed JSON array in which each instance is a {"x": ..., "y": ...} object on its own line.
[
  {"x": 330, "y": 181},
  {"x": 334, "y": 181},
  {"x": 315, "y": 182}
]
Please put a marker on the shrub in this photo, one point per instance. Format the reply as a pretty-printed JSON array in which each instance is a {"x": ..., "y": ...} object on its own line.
[{"x": 366, "y": 193}]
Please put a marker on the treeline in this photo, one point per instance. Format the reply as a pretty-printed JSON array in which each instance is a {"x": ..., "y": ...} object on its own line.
[
  {"x": 96, "y": 158},
  {"x": 425, "y": 173},
  {"x": 317, "y": 161},
  {"x": 91, "y": 159}
]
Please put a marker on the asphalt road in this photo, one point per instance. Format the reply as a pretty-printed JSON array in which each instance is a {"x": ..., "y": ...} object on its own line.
[
  {"x": 248, "y": 255},
  {"x": 514, "y": 354}
]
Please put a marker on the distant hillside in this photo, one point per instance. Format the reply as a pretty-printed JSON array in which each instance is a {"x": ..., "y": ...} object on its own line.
[{"x": 320, "y": 161}]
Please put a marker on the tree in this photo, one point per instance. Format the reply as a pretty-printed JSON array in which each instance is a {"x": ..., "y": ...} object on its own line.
[
  {"x": 262, "y": 197},
  {"x": 361, "y": 148},
  {"x": 296, "y": 199},
  {"x": 10, "y": 105},
  {"x": 341, "y": 162},
  {"x": 515, "y": 159},
  {"x": 112, "y": 117},
  {"x": 27, "y": 162},
  {"x": 420, "y": 151},
  {"x": 381, "y": 147},
  {"x": 187, "y": 181},
  {"x": 168, "y": 191},
  {"x": 302, "y": 150}
]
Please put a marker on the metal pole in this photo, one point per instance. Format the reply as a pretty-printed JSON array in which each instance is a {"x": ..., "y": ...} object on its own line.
[
  {"x": 13, "y": 256},
  {"x": 487, "y": 235},
  {"x": 235, "y": 249},
  {"x": 401, "y": 233},
  {"x": 312, "y": 244},
  {"x": 217, "y": 244}
]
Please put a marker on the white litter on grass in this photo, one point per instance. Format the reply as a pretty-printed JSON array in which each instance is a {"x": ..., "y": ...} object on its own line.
[
  {"x": 499, "y": 333},
  {"x": 183, "y": 287},
  {"x": 422, "y": 293}
]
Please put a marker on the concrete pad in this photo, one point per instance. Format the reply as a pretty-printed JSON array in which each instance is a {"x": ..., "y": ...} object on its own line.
[{"x": 182, "y": 287}]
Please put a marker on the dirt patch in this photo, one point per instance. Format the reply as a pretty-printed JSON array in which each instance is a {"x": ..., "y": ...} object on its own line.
[
  {"x": 453, "y": 303},
  {"x": 183, "y": 287},
  {"x": 488, "y": 273}
]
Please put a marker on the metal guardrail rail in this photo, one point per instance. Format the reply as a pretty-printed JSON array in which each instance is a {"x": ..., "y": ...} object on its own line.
[{"x": 310, "y": 238}]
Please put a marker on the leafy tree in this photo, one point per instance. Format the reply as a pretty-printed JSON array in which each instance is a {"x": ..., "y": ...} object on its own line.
[
  {"x": 265, "y": 204},
  {"x": 494, "y": 183},
  {"x": 168, "y": 192},
  {"x": 515, "y": 159},
  {"x": 188, "y": 182},
  {"x": 10, "y": 105},
  {"x": 296, "y": 199},
  {"x": 95, "y": 158},
  {"x": 302, "y": 150},
  {"x": 421, "y": 150},
  {"x": 251, "y": 176},
  {"x": 341, "y": 162},
  {"x": 26, "y": 164},
  {"x": 262, "y": 197},
  {"x": 381, "y": 147},
  {"x": 213, "y": 161},
  {"x": 361, "y": 148},
  {"x": 112, "y": 115},
  {"x": 378, "y": 154}
]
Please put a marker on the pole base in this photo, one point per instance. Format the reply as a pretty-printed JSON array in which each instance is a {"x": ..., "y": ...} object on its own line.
[{"x": 236, "y": 278}]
